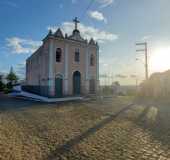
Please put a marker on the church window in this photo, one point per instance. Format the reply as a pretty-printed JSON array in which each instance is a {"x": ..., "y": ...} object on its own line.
[
  {"x": 91, "y": 60},
  {"x": 58, "y": 55},
  {"x": 77, "y": 55}
]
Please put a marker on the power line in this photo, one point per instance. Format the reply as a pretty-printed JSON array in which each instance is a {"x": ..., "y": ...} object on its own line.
[{"x": 146, "y": 56}]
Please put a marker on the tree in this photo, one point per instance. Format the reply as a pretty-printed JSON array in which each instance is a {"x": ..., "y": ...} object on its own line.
[
  {"x": 116, "y": 87},
  {"x": 1, "y": 83},
  {"x": 12, "y": 78},
  {"x": 117, "y": 83}
]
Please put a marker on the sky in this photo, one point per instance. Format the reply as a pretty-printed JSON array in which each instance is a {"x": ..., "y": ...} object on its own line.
[{"x": 116, "y": 24}]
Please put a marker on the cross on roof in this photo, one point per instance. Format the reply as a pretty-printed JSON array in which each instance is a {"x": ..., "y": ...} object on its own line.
[{"x": 76, "y": 21}]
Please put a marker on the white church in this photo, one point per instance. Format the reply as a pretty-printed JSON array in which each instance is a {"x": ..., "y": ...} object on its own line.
[{"x": 65, "y": 65}]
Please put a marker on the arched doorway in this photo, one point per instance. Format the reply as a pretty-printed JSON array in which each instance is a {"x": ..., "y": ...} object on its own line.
[
  {"x": 92, "y": 87},
  {"x": 76, "y": 83},
  {"x": 59, "y": 86}
]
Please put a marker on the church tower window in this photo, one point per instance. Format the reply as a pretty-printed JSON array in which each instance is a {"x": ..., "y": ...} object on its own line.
[
  {"x": 58, "y": 54},
  {"x": 77, "y": 55},
  {"x": 91, "y": 60}
]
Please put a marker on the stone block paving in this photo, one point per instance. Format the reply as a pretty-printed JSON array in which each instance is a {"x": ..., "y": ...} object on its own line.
[{"x": 89, "y": 130}]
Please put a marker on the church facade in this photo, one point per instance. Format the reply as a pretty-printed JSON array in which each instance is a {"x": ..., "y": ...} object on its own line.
[{"x": 64, "y": 66}]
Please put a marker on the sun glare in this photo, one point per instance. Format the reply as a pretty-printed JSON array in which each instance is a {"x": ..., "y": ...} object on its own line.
[{"x": 160, "y": 60}]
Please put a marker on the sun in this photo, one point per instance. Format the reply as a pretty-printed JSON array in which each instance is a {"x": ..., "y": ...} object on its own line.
[{"x": 160, "y": 60}]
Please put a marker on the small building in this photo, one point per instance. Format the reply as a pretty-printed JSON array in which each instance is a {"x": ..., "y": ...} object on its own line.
[{"x": 64, "y": 66}]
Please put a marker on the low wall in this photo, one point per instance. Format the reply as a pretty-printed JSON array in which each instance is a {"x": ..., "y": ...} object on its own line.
[{"x": 39, "y": 90}]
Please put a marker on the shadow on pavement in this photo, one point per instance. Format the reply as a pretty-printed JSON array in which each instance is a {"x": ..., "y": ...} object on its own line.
[
  {"x": 159, "y": 128},
  {"x": 9, "y": 103},
  {"x": 71, "y": 143}
]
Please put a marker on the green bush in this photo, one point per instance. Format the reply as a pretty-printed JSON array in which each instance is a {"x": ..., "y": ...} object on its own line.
[
  {"x": 9, "y": 85},
  {"x": 2, "y": 86},
  {"x": 7, "y": 90}
]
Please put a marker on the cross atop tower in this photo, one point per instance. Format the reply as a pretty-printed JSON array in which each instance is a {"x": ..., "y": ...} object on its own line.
[{"x": 76, "y": 21}]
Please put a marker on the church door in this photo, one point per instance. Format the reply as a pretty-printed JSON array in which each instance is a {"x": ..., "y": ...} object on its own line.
[
  {"x": 92, "y": 86},
  {"x": 76, "y": 83},
  {"x": 59, "y": 87}
]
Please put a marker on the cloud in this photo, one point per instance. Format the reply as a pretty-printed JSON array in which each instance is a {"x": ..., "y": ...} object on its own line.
[
  {"x": 73, "y": 1},
  {"x": 4, "y": 73},
  {"x": 19, "y": 45},
  {"x": 105, "y": 64},
  {"x": 61, "y": 6},
  {"x": 133, "y": 76},
  {"x": 9, "y": 3},
  {"x": 121, "y": 76},
  {"x": 97, "y": 16},
  {"x": 147, "y": 37},
  {"x": 105, "y": 3},
  {"x": 87, "y": 32}
]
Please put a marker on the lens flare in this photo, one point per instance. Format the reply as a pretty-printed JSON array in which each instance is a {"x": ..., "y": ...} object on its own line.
[{"x": 160, "y": 60}]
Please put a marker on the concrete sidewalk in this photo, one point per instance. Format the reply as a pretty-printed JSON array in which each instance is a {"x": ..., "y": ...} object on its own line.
[{"x": 34, "y": 97}]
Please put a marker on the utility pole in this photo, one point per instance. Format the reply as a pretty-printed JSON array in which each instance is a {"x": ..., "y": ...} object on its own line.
[
  {"x": 136, "y": 83},
  {"x": 145, "y": 50},
  {"x": 136, "y": 80},
  {"x": 112, "y": 78}
]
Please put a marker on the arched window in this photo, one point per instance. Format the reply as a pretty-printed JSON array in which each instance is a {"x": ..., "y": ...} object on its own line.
[
  {"x": 58, "y": 54},
  {"x": 92, "y": 60},
  {"x": 77, "y": 55}
]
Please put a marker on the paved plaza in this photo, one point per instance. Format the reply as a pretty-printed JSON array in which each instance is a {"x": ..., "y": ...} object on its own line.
[{"x": 108, "y": 129}]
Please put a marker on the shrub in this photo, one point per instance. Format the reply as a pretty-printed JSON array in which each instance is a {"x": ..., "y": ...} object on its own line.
[
  {"x": 2, "y": 86},
  {"x": 9, "y": 85},
  {"x": 7, "y": 90}
]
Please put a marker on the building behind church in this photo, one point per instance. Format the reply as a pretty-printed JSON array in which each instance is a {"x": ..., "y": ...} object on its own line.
[{"x": 64, "y": 66}]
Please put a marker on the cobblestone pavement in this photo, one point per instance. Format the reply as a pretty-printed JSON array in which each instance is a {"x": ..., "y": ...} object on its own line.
[{"x": 95, "y": 130}]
